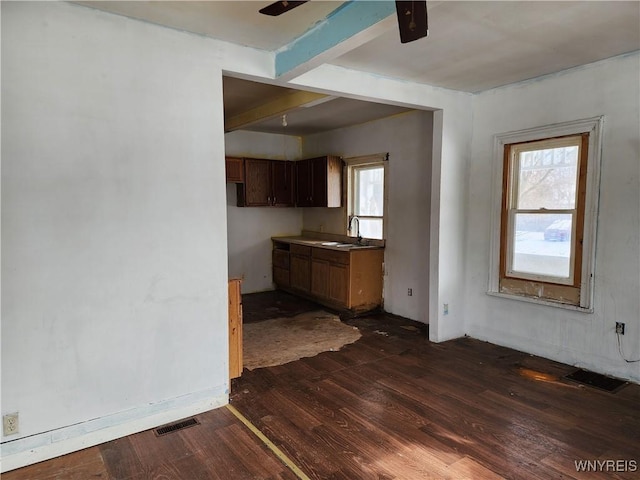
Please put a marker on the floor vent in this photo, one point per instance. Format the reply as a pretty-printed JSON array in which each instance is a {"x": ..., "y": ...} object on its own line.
[
  {"x": 174, "y": 427},
  {"x": 596, "y": 380}
]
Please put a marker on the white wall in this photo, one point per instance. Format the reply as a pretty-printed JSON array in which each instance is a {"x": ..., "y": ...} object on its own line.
[
  {"x": 114, "y": 264},
  {"x": 249, "y": 229},
  {"x": 408, "y": 139},
  {"x": 608, "y": 88}
]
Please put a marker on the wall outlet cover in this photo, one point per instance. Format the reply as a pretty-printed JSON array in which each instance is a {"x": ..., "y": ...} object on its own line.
[{"x": 10, "y": 424}]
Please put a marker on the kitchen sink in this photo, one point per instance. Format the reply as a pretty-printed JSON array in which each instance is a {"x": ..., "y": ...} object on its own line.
[{"x": 341, "y": 245}]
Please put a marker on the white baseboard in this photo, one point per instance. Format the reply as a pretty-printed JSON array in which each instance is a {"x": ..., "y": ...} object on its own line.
[{"x": 44, "y": 446}]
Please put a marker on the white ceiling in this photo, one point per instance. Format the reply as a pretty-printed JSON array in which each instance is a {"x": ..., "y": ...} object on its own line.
[
  {"x": 235, "y": 21},
  {"x": 336, "y": 113},
  {"x": 472, "y": 46}
]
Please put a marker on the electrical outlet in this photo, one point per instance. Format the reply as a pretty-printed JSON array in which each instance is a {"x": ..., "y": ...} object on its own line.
[
  {"x": 10, "y": 424},
  {"x": 445, "y": 308},
  {"x": 620, "y": 328},
  {"x": 410, "y": 292}
]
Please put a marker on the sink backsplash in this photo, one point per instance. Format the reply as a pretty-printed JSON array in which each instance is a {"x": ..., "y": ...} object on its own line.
[{"x": 333, "y": 237}]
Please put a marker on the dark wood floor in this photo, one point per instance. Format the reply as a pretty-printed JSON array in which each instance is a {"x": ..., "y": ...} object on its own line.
[
  {"x": 390, "y": 406},
  {"x": 220, "y": 448}
]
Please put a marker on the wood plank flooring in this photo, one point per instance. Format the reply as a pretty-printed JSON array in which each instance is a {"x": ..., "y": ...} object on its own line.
[
  {"x": 390, "y": 406},
  {"x": 220, "y": 448}
]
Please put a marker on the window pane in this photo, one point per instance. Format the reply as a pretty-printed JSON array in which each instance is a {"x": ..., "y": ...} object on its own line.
[
  {"x": 547, "y": 178},
  {"x": 542, "y": 244},
  {"x": 369, "y": 191},
  {"x": 370, "y": 228}
]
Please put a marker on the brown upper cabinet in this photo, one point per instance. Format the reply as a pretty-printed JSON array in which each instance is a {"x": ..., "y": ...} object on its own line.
[
  {"x": 283, "y": 183},
  {"x": 319, "y": 182},
  {"x": 315, "y": 182},
  {"x": 234, "y": 168},
  {"x": 267, "y": 183}
]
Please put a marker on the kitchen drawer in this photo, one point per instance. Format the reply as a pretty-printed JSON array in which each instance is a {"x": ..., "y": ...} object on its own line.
[
  {"x": 281, "y": 259},
  {"x": 331, "y": 255},
  {"x": 302, "y": 250}
]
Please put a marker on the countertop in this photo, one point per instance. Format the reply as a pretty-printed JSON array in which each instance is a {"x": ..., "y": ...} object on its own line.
[{"x": 326, "y": 244}]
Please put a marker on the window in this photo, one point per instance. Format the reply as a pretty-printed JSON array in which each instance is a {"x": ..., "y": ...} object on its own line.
[
  {"x": 547, "y": 217},
  {"x": 366, "y": 196}
]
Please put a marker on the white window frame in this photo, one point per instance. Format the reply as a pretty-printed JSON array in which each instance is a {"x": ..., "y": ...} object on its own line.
[
  {"x": 592, "y": 126},
  {"x": 351, "y": 165}
]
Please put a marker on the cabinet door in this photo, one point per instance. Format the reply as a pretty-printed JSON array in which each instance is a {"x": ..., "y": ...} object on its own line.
[
  {"x": 280, "y": 258},
  {"x": 320, "y": 278},
  {"x": 281, "y": 267},
  {"x": 282, "y": 181},
  {"x": 234, "y": 169},
  {"x": 319, "y": 182},
  {"x": 300, "y": 273},
  {"x": 281, "y": 276},
  {"x": 257, "y": 182},
  {"x": 339, "y": 283},
  {"x": 303, "y": 183}
]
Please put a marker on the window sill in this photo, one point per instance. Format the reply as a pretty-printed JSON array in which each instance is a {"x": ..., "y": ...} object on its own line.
[{"x": 541, "y": 301}]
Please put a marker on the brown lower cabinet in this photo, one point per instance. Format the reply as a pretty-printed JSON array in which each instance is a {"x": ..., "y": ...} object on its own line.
[
  {"x": 350, "y": 279},
  {"x": 320, "y": 278},
  {"x": 339, "y": 284},
  {"x": 300, "y": 273},
  {"x": 330, "y": 275},
  {"x": 281, "y": 266}
]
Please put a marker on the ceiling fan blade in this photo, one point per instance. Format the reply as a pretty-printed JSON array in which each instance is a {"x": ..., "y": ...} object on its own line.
[
  {"x": 412, "y": 20},
  {"x": 278, "y": 8}
]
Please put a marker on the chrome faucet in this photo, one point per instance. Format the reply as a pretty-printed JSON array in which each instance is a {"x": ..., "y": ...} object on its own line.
[{"x": 351, "y": 219}]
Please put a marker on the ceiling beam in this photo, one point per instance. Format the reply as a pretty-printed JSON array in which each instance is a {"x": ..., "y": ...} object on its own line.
[
  {"x": 274, "y": 108},
  {"x": 347, "y": 27}
]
